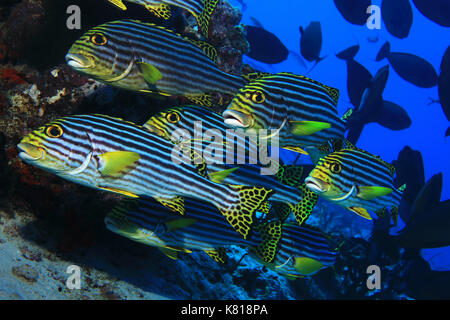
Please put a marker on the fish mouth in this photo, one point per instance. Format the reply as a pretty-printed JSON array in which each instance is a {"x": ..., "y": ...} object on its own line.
[
  {"x": 79, "y": 61},
  {"x": 154, "y": 129},
  {"x": 238, "y": 119},
  {"x": 317, "y": 185},
  {"x": 30, "y": 152}
]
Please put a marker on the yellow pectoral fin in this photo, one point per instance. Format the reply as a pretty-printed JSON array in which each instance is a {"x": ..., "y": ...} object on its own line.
[
  {"x": 122, "y": 192},
  {"x": 306, "y": 128},
  {"x": 361, "y": 212},
  {"x": 307, "y": 266},
  {"x": 119, "y": 4},
  {"x": 295, "y": 149},
  {"x": 150, "y": 73},
  {"x": 220, "y": 176},
  {"x": 115, "y": 161},
  {"x": 179, "y": 224},
  {"x": 370, "y": 193}
]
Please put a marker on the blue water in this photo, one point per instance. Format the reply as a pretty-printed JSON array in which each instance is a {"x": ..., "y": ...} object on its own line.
[{"x": 426, "y": 39}]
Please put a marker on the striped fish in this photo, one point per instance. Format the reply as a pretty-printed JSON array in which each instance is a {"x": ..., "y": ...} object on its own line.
[
  {"x": 358, "y": 181},
  {"x": 301, "y": 109},
  {"x": 200, "y": 9},
  {"x": 147, "y": 58},
  {"x": 293, "y": 193},
  {"x": 111, "y": 154},
  {"x": 288, "y": 249}
]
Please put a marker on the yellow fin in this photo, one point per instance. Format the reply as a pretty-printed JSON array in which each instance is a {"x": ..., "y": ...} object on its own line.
[
  {"x": 175, "y": 204},
  {"x": 207, "y": 49},
  {"x": 169, "y": 252},
  {"x": 160, "y": 10},
  {"x": 220, "y": 176},
  {"x": 271, "y": 236},
  {"x": 150, "y": 73},
  {"x": 122, "y": 192},
  {"x": 205, "y": 16},
  {"x": 295, "y": 149},
  {"x": 370, "y": 193},
  {"x": 119, "y": 4},
  {"x": 307, "y": 266},
  {"x": 361, "y": 212},
  {"x": 306, "y": 128},
  {"x": 202, "y": 99},
  {"x": 115, "y": 161},
  {"x": 219, "y": 255},
  {"x": 179, "y": 224}
]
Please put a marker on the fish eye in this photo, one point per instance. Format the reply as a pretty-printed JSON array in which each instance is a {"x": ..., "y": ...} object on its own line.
[
  {"x": 258, "y": 97},
  {"x": 99, "y": 39},
  {"x": 54, "y": 131},
  {"x": 173, "y": 117},
  {"x": 335, "y": 167}
]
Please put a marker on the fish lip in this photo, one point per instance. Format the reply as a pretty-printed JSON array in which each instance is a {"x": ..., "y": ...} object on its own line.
[
  {"x": 79, "y": 61},
  {"x": 26, "y": 148},
  {"x": 153, "y": 129},
  {"x": 317, "y": 185},
  {"x": 235, "y": 118}
]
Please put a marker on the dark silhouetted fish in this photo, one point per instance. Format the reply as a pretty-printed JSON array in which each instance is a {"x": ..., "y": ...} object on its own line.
[
  {"x": 265, "y": 46},
  {"x": 444, "y": 84},
  {"x": 354, "y": 11},
  {"x": 358, "y": 77},
  {"x": 410, "y": 171},
  {"x": 447, "y": 133},
  {"x": 423, "y": 283},
  {"x": 430, "y": 219},
  {"x": 397, "y": 16},
  {"x": 374, "y": 109},
  {"x": 411, "y": 68},
  {"x": 435, "y": 10},
  {"x": 311, "y": 42}
]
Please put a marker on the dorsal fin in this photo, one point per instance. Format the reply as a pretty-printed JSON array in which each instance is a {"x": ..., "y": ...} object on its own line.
[{"x": 207, "y": 48}]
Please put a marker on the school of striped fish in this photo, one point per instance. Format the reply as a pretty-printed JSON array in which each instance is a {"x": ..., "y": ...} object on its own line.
[{"x": 204, "y": 203}]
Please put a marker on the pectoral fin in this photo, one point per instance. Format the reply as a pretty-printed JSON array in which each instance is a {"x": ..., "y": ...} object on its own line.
[
  {"x": 113, "y": 162},
  {"x": 306, "y": 128},
  {"x": 220, "y": 176},
  {"x": 370, "y": 193},
  {"x": 307, "y": 266},
  {"x": 179, "y": 224},
  {"x": 150, "y": 73},
  {"x": 119, "y": 4},
  {"x": 361, "y": 212}
]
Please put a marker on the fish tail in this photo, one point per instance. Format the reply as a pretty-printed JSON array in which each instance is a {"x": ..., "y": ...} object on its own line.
[
  {"x": 304, "y": 207},
  {"x": 270, "y": 237},
  {"x": 240, "y": 213},
  {"x": 204, "y": 18}
]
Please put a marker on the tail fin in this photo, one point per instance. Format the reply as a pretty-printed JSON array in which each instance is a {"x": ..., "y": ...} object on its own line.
[
  {"x": 304, "y": 208},
  {"x": 270, "y": 237},
  {"x": 240, "y": 214},
  {"x": 204, "y": 18},
  {"x": 290, "y": 175},
  {"x": 384, "y": 51}
]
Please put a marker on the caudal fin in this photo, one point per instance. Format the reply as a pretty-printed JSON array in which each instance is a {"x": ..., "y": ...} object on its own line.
[
  {"x": 240, "y": 213},
  {"x": 270, "y": 237},
  {"x": 204, "y": 18},
  {"x": 304, "y": 208}
]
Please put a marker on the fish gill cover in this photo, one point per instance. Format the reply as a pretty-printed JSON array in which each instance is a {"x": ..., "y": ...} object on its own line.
[{"x": 99, "y": 98}]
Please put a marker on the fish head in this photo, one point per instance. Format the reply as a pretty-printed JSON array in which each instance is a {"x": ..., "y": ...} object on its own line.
[
  {"x": 100, "y": 54},
  {"x": 324, "y": 178},
  {"x": 57, "y": 147},
  {"x": 169, "y": 124},
  {"x": 249, "y": 109}
]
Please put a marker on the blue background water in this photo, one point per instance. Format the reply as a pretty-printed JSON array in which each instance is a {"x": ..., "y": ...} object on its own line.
[{"x": 426, "y": 39}]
